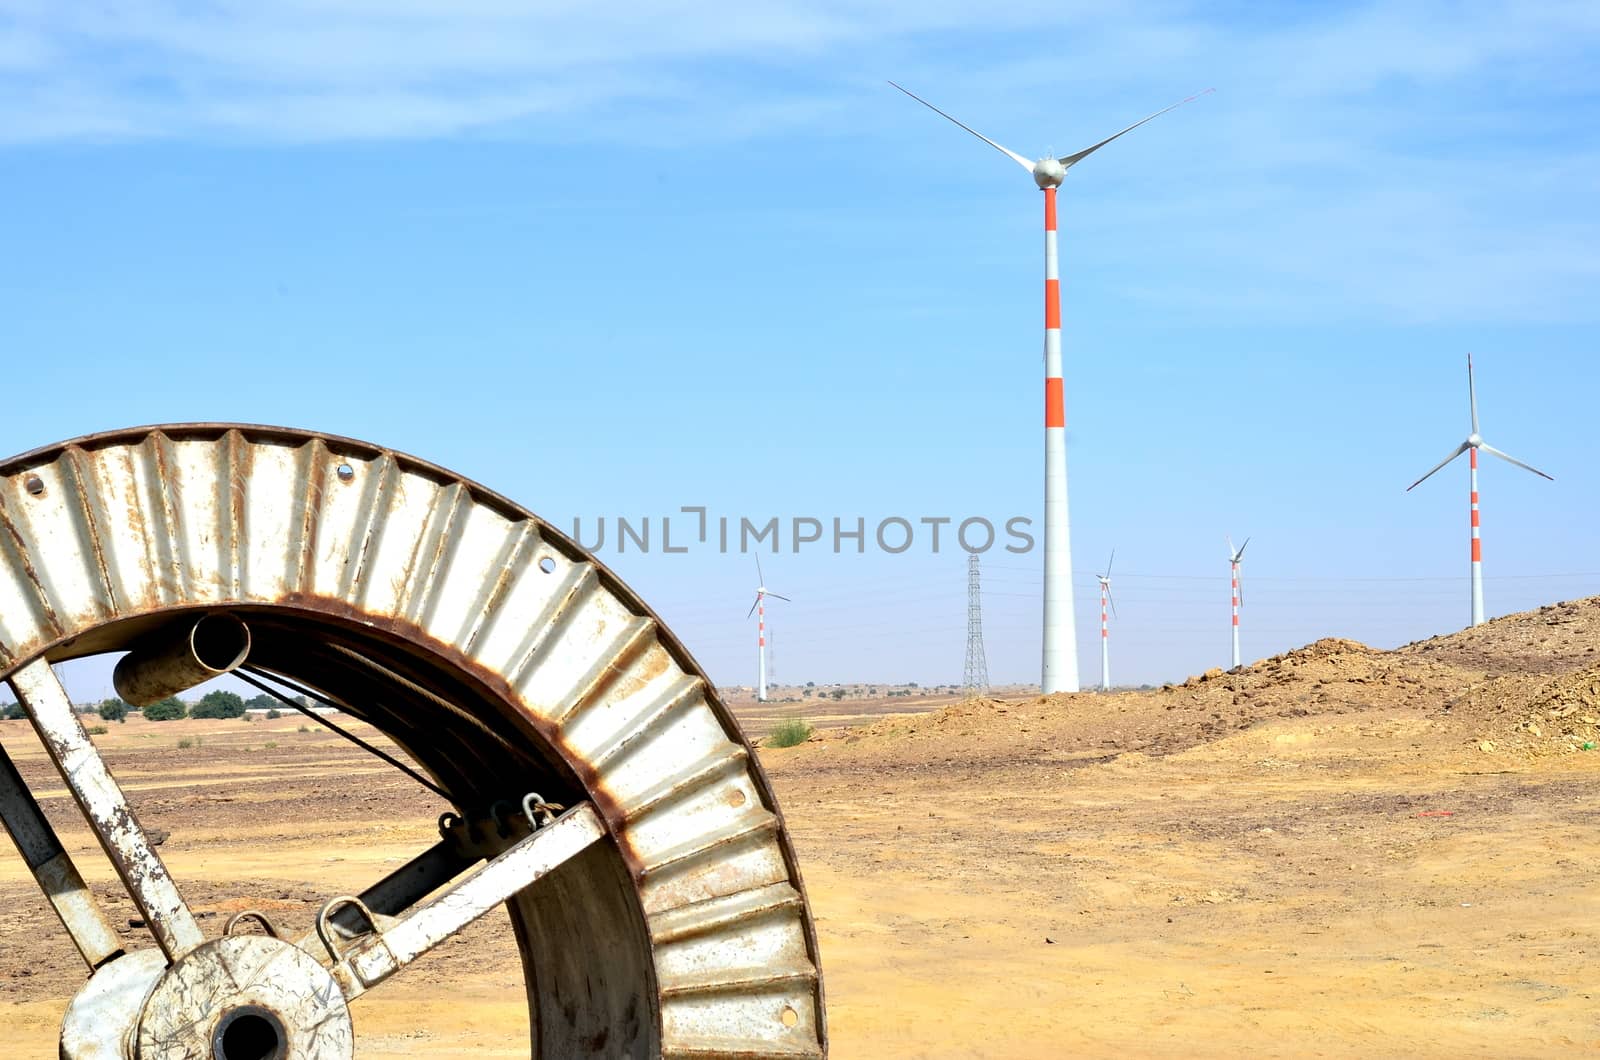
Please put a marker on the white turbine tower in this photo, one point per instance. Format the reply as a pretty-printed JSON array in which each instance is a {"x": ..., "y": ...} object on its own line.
[
  {"x": 759, "y": 609},
  {"x": 1105, "y": 624},
  {"x": 1234, "y": 556},
  {"x": 1471, "y": 446},
  {"x": 1060, "y": 662}
]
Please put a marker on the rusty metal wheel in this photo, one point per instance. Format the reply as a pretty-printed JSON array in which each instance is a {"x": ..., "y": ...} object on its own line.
[{"x": 651, "y": 885}]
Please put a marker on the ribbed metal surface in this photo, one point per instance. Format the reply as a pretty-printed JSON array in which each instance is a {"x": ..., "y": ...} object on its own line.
[{"x": 100, "y": 533}]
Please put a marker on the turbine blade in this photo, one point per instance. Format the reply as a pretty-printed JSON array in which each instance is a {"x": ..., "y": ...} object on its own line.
[
  {"x": 1110, "y": 561},
  {"x": 761, "y": 579},
  {"x": 1463, "y": 447},
  {"x": 1240, "y": 554},
  {"x": 1018, "y": 159},
  {"x": 752, "y": 610},
  {"x": 1241, "y": 588},
  {"x": 1492, "y": 451},
  {"x": 785, "y": 599},
  {"x": 1113, "y": 602},
  {"x": 1071, "y": 160},
  {"x": 1472, "y": 395},
  {"x": 1231, "y": 550}
]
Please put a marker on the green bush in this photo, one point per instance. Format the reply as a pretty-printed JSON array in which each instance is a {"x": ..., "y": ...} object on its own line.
[
  {"x": 788, "y": 733},
  {"x": 170, "y": 709},
  {"x": 12, "y": 712},
  {"x": 97, "y": 730},
  {"x": 113, "y": 709},
  {"x": 274, "y": 714},
  {"x": 186, "y": 743},
  {"x": 219, "y": 704}
]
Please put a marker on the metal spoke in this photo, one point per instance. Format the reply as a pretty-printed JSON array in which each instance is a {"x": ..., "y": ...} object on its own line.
[
  {"x": 58, "y": 877},
  {"x": 388, "y": 949},
  {"x": 39, "y": 691}
]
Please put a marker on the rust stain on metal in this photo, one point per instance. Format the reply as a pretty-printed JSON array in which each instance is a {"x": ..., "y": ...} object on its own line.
[
  {"x": 314, "y": 473},
  {"x": 76, "y": 464},
  {"x": 25, "y": 559}
]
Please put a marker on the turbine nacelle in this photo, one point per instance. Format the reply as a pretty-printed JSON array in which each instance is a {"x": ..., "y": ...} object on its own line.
[
  {"x": 1475, "y": 439},
  {"x": 1049, "y": 173}
]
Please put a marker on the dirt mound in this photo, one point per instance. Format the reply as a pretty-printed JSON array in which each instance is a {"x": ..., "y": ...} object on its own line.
[
  {"x": 1523, "y": 714},
  {"x": 1524, "y": 683},
  {"x": 1552, "y": 640}
]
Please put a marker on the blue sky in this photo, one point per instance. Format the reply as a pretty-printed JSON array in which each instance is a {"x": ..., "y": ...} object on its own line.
[{"x": 701, "y": 254}]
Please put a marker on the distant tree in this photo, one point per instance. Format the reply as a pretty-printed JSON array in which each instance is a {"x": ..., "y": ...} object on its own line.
[
  {"x": 11, "y": 712},
  {"x": 170, "y": 709},
  {"x": 261, "y": 702},
  {"x": 113, "y": 709},
  {"x": 838, "y": 693},
  {"x": 219, "y": 704},
  {"x": 274, "y": 713}
]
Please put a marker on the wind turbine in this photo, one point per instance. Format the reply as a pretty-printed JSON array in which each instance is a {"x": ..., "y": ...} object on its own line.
[
  {"x": 1060, "y": 654},
  {"x": 1105, "y": 626},
  {"x": 1234, "y": 556},
  {"x": 759, "y": 609},
  {"x": 1471, "y": 446}
]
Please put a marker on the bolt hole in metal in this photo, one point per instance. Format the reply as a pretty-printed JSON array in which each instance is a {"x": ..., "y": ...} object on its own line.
[
  {"x": 249, "y": 1032},
  {"x": 345, "y": 472},
  {"x": 789, "y": 1017},
  {"x": 548, "y": 565},
  {"x": 34, "y": 485}
]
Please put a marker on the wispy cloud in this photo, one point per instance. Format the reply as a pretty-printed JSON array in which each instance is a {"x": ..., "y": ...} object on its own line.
[
  {"x": 1423, "y": 159},
  {"x": 351, "y": 68}
]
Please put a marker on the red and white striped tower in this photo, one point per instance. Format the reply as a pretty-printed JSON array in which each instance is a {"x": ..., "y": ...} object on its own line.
[
  {"x": 1060, "y": 655},
  {"x": 1105, "y": 624},
  {"x": 1104, "y": 644},
  {"x": 1471, "y": 446},
  {"x": 1235, "y": 568},
  {"x": 761, "y": 647},
  {"x": 759, "y": 609},
  {"x": 1105, "y": 641},
  {"x": 1477, "y": 540},
  {"x": 1234, "y": 556},
  {"x": 1059, "y": 670}
]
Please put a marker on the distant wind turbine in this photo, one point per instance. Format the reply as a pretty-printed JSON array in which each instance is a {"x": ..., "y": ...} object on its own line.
[
  {"x": 1105, "y": 625},
  {"x": 1234, "y": 556},
  {"x": 759, "y": 609},
  {"x": 1060, "y": 652},
  {"x": 1471, "y": 446}
]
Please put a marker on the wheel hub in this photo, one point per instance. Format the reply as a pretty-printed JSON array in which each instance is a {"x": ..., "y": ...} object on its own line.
[{"x": 245, "y": 997}]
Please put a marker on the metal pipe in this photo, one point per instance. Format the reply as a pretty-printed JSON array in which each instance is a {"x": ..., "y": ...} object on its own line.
[{"x": 182, "y": 658}]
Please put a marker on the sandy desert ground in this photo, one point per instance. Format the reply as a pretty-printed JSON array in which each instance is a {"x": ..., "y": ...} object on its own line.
[{"x": 1339, "y": 852}]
